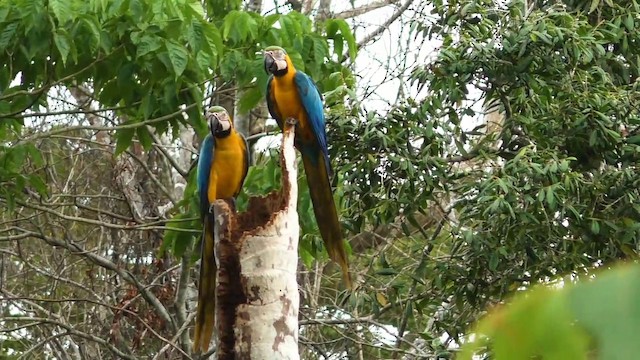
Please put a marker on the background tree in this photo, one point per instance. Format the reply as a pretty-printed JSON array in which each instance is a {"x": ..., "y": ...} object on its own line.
[{"x": 504, "y": 154}]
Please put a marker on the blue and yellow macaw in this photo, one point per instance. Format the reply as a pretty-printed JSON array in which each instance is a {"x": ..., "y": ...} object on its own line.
[
  {"x": 222, "y": 168},
  {"x": 292, "y": 94}
]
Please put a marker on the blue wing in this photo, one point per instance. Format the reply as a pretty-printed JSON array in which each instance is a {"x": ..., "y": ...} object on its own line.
[
  {"x": 312, "y": 103},
  {"x": 204, "y": 169}
]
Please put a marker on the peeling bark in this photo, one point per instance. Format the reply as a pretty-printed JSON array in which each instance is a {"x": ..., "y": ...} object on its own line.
[{"x": 257, "y": 254}]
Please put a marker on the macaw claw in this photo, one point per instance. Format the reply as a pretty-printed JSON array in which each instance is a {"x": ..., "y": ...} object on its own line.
[{"x": 292, "y": 121}]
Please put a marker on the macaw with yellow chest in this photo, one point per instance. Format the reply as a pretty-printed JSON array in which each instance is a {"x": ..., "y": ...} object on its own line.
[
  {"x": 222, "y": 168},
  {"x": 292, "y": 94}
]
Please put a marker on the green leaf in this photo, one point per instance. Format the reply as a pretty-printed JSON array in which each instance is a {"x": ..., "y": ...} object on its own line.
[
  {"x": 4, "y": 13},
  {"x": 148, "y": 43},
  {"x": 239, "y": 26},
  {"x": 522, "y": 329},
  {"x": 178, "y": 56},
  {"x": 214, "y": 42},
  {"x": 289, "y": 29},
  {"x": 144, "y": 136},
  {"x": 197, "y": 8},
  {"x": 35, "y": 155},
  {"x": 250, "y": 99},
  {"x": 182, "y": 242},
  {"x": 195, "y": 35},
  {"x": 61, "y": 9},
  {"x": 345, "y": 30},
  {"x": 7, "y": 35},
  {"x": 493, "y": 261},
  {"x": 91, "y": 23},
  {"x": 609, "y": 309},
  {"x": 38, "y": 183},
  {"x": 320, "y": 51},
  {"x": 229, "y": 23},
  {"x": 551, "y": 198},
  {"x": 296, "y": 59},
  {"x": 386, "y": 272},
  {"x": 595, "y": 227},
  {"x": 306, "y": 257},
  {"x": 180, "y": 233},
  {"x": 110, "y": 94},
  {"x": 63, "y": 44},
  {"x": 124, "y": 139},
  {"x": 594, "y": 5},
  {"x": 629, "y": 22},
  {"x": 204, "y": 60},
  {"x": 271, "y": 19},
  {"x": 338, "y": 46}
]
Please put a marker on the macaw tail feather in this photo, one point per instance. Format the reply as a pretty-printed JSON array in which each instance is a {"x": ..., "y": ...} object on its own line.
[
  {"x": 324, "y": 208},
  {"x": 205, "y": 317}
]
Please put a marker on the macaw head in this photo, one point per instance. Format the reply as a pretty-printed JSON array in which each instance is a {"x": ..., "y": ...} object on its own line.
[
  {"x": 220, "y": 123},
  {"x": 275, "y": 60}
]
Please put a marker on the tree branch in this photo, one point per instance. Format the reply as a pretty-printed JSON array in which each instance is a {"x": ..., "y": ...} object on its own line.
[
  {"x": 380, "y": 29},
  {"x": 181, "y": 298},
  {"x": 146, "y": 226},
  {"x": 357, "y": 11},
  {"x": 130, "y": 126},
  {"x": 107, "y": 264},
  {"x": 70, "y": 330},
  {"x": 32, "y": 300},
  {"x": 158, "y": 145}
]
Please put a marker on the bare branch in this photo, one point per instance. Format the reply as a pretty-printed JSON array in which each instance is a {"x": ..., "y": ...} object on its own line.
[
  {"x": 70, "y": 330},
  {"x": 107, "y": 264},
  {"x": 382, "y": 28},
  {"x": 180, "y": 302},
  {"x": 135, "y": 125},
  {"x": 360, "y": 10},
  {"x": 158, "y": 145}
]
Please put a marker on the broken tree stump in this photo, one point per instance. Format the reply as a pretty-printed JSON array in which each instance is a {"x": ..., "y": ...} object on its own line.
[{"x": 257, "y": 298}]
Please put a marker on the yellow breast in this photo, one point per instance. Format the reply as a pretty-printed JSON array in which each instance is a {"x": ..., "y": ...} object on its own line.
[
  {"x": 228, "y": 167},
  {"x": 288, "y": 101}
]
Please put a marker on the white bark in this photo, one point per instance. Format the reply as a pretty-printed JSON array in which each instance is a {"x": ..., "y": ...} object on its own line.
[{"x": 257, "y": 256}]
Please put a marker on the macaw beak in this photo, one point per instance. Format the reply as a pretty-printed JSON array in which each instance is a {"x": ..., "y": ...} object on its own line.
[
  {"x": 214, "y": 123},
  {"x": 270, "y": 63}
]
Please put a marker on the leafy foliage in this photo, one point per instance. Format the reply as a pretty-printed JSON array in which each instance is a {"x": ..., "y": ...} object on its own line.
[
  {"x": 545, "y": 184},
  {"x": 603, "y": 309}
]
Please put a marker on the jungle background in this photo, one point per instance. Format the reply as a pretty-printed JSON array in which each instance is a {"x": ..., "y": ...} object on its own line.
[{"x": 480, "y": 148}]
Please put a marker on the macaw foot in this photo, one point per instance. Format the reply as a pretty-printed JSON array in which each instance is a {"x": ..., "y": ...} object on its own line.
[{"x": 292, "y": 121}]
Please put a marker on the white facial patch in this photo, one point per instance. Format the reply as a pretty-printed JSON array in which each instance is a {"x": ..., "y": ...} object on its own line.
[
  {"x": 225, "y": 124},
  {"x": 279, "y": 59},
  {"x": 281, "y": 64}
]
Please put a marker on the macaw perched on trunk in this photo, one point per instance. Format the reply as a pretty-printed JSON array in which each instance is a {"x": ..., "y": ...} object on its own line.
[
  {"x": 222, "y": 168},
  {"x": 292, "y": 94}
]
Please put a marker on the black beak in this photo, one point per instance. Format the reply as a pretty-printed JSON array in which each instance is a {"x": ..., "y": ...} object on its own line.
[
  {"x": 214, "y": 124},
  {"x": 270, "y": 63}
]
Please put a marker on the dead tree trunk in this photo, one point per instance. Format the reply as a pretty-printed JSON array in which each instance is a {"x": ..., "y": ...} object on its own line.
[{"x": 257, "y": 254}]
